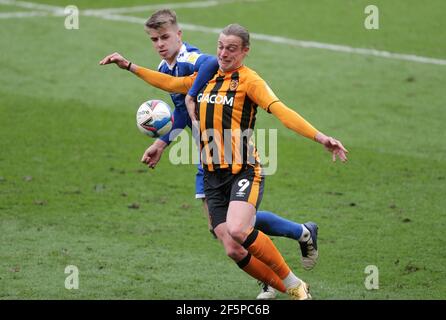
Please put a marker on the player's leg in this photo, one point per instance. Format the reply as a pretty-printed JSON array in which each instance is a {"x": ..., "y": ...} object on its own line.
[
  {"x": 217, "y": 194},
  {"x": 199, "y": 194},
  {"x": 248, "y": 263},
  {"x": 246, "y": 195},
  {"x": 266, "y": 292},
  {"x": 274, "y": 225},
  {"x": 260, "y": 246},
  {"x": 206, "y": 213}
]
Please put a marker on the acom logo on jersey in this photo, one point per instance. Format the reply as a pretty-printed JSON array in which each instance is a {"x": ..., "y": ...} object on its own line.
[{"x": 215, "y": 98}]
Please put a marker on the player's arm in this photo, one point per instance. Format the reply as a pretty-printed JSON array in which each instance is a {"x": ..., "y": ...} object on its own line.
[
  {"x": 205, "y": 68},
  {"x": 153, "y": 153},
  {"x": 260, "y": 93},
  {"x": 180, "y": 122},
  {"x": 157, "y": 79},
  {"x": 163, "y": 81}
]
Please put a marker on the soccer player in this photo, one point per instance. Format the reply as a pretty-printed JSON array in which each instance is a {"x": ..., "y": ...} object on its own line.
[
  {"x": 182, "y": 59},
  {"x": 250, "y": 248}
]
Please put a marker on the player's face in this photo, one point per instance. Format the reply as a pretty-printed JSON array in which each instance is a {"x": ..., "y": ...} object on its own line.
[
  {"x": 230, "y": 52},
  {"x": 167, "y": 42}
]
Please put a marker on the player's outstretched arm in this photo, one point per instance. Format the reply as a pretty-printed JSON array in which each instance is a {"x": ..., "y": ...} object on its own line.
[
  {"x": 260, "y": 93},
  {"x": 332, "y": 145},
  {"x": 117, "y": 59},
  {"x": 157, "y": 79},
  {"x": 294, "y": 121}
]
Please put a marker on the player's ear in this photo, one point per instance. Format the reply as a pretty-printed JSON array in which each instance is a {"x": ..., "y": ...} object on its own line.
[{"x": 180, "y": 33}]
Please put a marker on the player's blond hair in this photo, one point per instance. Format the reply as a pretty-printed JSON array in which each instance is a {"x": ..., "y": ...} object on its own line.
[
  {"x": 161, "y": 19},
  {"x": 235, "y": 29}
]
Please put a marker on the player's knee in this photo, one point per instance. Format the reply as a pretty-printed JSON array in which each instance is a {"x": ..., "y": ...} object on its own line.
[
  {"x": 236, "y": 253},
  {"x": 237, "y": 233}
]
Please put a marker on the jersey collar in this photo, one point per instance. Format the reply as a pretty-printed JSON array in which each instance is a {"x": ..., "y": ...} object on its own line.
[
  {"x": 180, "y": 53},
  {"x": 221, "y": 73}
]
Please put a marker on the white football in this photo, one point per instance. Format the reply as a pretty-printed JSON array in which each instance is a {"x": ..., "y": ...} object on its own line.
[{"x": 154, "y": 118}]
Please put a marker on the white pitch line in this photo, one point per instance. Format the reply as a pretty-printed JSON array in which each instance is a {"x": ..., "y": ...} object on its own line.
[
  {"x": 347, "y": 49},
  {"x": 116, "y": 17},
  {"x": 22, "y": 14},
  {"x": 257, "y": 36},
  {"x": 32, "y": 5},
  {"x": 301, "y": 43},
  {"x": 195, "y": 4}
]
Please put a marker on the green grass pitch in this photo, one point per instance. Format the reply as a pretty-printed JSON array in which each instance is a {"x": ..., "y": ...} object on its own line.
[{"x": 73, "y": 192}]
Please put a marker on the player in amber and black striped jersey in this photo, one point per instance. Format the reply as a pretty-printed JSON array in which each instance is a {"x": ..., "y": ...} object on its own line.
[{"x": 234, "y": 184}]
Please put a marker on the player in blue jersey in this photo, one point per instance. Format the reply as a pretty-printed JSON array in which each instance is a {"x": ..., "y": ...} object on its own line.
[
  {"x": 182, "y": 59},
  {"x": 179, "y": 59}
]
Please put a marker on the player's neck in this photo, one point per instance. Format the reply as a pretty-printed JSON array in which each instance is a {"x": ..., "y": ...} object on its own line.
[
  {"x": 232, "y": 70},
  {"x": 171, "y": 61}
]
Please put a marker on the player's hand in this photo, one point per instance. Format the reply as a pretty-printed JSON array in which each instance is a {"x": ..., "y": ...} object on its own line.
[
  {"x": 190, "y": 105},
  {"x": 333, "y": 146},
  {"x": 152, "y": 156},
  {"x": 191, "y": 110},
  {"x": 115, "y": 58}
]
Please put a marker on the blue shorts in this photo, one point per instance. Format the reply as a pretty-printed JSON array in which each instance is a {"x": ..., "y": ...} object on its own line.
[{"x": 199, "y": 183}]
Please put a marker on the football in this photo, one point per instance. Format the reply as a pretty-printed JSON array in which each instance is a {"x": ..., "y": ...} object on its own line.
[{"x": 154, "y": 118}]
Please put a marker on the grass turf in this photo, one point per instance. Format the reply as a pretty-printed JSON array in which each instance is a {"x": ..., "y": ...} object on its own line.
[{"x": 70, "y": 178}]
